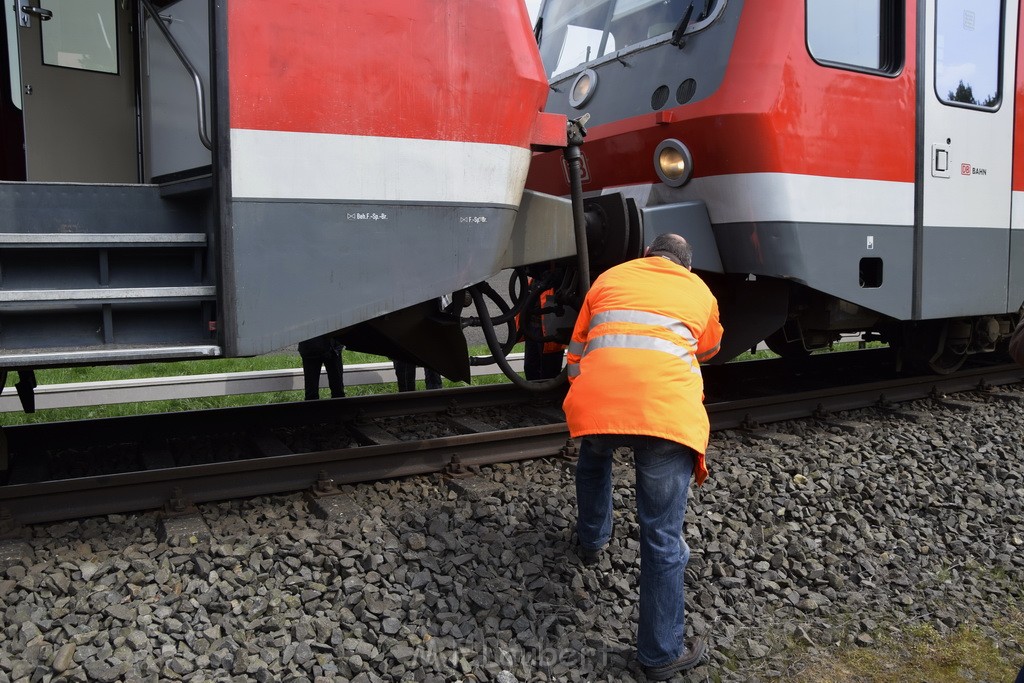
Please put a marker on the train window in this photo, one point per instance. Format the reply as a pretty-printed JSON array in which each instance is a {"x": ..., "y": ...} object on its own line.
[
  {"x": 967, "y": 49},
  {"x": 82, "y": 34},
  {"x": 863, "y": 35},
  {"x": 574, "y": 32}
]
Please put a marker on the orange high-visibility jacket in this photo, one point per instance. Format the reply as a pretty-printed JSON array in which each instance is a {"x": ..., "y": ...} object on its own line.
[{"x": 634, "y": 360}]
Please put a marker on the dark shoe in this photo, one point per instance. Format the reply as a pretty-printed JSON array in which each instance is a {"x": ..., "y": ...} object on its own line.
[
  {"x": 696, "y": 649},
  {"x": 589, "y": 556}
]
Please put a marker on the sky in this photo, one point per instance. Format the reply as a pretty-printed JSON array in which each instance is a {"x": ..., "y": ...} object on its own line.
[{"x": 532, "y": 6}]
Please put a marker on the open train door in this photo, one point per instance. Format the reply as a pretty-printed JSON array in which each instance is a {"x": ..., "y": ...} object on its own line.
[
  {"x": 966, "y": 95},
  {"x": 77, "y": 89}
]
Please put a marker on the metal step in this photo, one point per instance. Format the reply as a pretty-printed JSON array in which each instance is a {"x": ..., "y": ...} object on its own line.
[
  {"x": 106, "y": 240},
  {"x": 106, "y": 295},
  {"x": 104, "y": 273}
]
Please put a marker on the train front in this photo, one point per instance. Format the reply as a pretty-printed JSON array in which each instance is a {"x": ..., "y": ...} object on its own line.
[
  {"x": 378, "y": 153},
  {"x": 805, "y": 149}
]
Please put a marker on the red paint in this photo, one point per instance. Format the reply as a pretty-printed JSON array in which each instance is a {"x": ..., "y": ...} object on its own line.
[
  {"x": 465, "y": 70},
  {"x": 776, "y": 111}
]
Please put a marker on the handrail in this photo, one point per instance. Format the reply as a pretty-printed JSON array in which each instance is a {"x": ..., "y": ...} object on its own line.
[{"x": 204, "y": 136}]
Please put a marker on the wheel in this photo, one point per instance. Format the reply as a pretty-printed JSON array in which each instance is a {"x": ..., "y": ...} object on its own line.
[
  {"x": 934, "y": 347},
  {"x": 792, "y": 349},
  {"x": 947, "y": 362}
]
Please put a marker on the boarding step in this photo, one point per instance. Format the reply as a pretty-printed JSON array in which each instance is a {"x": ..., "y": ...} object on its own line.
[
  {"x": 103, "y": 240},
  {"x": 82, "y": 208},
  {"x": 105, "y": 355},
  {"x": 107, "y": 295}
]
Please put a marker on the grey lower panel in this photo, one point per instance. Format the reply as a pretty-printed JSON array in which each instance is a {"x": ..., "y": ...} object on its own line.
[
  {"x": 827, "y": 258},
  {"x": 964, "y": 271},
  {"x": 301, "y": 269}
]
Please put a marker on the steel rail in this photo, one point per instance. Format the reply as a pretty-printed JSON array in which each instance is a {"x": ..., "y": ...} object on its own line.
[
  {"x": 749, "y": 412},
  {"x": 41, "y": 437},
  {"x": 74, "y": 498},
  {"x": 82, "y": 394},
  {"x": 87, "y": 496}
]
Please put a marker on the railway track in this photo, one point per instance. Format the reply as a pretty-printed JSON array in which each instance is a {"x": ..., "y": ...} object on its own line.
[{"x": 171, "y": 461}]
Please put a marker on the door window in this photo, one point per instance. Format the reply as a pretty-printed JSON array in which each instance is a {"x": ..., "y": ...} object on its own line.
[
  {"x": 81, "y": 35},
  {"x": 967, "y": 48}
]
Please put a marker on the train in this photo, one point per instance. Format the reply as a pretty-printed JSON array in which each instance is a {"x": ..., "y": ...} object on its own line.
[
  {"x": 198, "y": 179},
  {"x": 840, "y": 168}
]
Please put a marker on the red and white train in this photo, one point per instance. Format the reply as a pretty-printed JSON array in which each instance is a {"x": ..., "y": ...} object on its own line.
[
  {"x": 198, "y": 178},
  {"x": 840, "y": 167}
]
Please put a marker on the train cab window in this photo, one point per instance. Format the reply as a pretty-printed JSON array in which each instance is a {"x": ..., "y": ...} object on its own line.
[
  {"x": 574, "y": 32},
  {"x": 967, "y": 49},
  {"x": 862, "y": 35}
]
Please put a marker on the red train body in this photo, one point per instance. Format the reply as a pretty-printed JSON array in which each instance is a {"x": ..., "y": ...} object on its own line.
[{"x": 843, "y": 178}]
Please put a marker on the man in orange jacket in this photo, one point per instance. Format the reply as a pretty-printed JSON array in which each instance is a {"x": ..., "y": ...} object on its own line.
[{"x": 634, "y": 368}]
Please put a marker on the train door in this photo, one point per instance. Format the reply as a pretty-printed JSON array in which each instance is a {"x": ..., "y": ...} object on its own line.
[
  {"x": 78, "y": 90},
  {"x": 967, "y": 100}
]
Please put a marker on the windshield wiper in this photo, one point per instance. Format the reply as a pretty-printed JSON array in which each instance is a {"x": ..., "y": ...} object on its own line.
[{"x": 679, "y": 35}]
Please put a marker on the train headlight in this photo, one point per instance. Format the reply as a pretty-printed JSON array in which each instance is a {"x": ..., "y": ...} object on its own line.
[
  {"x": 583, "y": 88},
  {"x": 673, "y": 163}
]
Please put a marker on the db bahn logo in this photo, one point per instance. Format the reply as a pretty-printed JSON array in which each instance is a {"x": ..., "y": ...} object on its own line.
[
  {"x": 584, "y": 170},
  {"x": 967, "y": 169}
]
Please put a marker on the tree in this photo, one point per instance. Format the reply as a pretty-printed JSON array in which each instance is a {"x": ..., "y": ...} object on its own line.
[{"x": 963, "y": 93}]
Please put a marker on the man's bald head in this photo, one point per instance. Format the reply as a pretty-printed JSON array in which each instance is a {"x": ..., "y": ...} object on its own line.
[{"x": 672, "y": 246}]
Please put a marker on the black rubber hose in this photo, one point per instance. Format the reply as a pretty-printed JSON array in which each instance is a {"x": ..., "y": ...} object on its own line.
[
  {"x": 492, "y": 344},
  {"x": 497, "y": 349}
]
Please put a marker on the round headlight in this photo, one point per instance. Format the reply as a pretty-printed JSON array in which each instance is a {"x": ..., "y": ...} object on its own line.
[
  {"x": 583, "y": 88},
  {"x": 673, "y": 163}
]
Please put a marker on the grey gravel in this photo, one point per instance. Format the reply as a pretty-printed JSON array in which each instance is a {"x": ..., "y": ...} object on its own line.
[{"x": 817, "y": 533}]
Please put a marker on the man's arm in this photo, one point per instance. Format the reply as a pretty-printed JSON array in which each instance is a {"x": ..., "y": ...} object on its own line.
[
  {"x": 579, "y": 341},
  {"x": 711, "y": 339}
]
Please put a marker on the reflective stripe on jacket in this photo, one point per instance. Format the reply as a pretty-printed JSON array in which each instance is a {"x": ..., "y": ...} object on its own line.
[{"x": 634, "y": 360}]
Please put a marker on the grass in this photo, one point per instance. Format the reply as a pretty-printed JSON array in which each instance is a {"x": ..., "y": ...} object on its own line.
[
  {"x": 277, "y": 361},
  {"x": 920, "y": 654}
]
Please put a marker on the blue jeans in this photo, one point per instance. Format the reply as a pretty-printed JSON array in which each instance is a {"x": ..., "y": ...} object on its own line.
[{"x": 663, "y": 471}]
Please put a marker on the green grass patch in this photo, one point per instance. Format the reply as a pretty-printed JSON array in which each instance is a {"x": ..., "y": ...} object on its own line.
[
  {"x": 922, "y": 654},
  {"x": 278, "y": 361}
]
